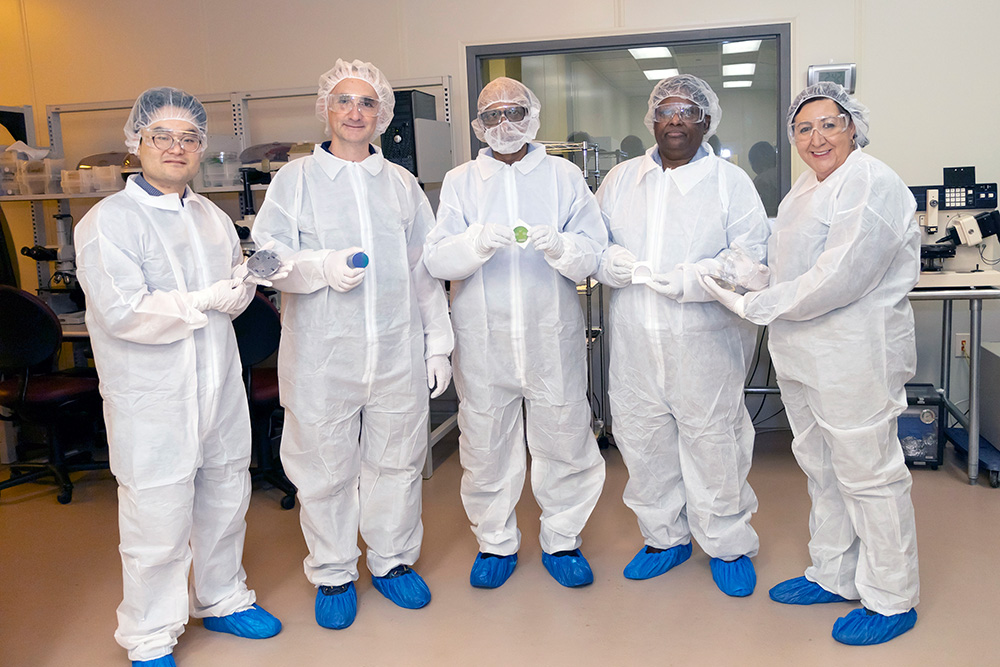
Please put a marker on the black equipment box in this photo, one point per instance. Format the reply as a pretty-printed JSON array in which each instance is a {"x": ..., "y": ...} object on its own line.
[{"x": 921, "y": 426}]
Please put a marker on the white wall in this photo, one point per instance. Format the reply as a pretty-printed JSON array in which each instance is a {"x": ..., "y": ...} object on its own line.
[{"x": 926, "y": 69}]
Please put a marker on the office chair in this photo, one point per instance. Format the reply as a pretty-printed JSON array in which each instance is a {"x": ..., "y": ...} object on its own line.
[
  {"x": 65, "y": 405},
  {"x": 258, "y": 331}
]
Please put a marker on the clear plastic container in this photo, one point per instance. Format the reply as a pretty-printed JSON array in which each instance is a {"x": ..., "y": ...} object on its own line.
[
  {"x": 32, "y": 183},
  {"x": 53, "y": 171},
  {"x": 8, "y": 163},
  {"x": 106, "y": 179},
  {"x": 77, "y": 181},
  {"x": 220, "y": 169}
]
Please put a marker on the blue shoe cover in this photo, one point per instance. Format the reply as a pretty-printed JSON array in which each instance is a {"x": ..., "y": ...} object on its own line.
[
  {"x": 252, "y": 623},
  {"x": 569, "y": 568},
  {"x": 736, "y": 579},
  {"x": 863, "y": 627},
  {"x": 802, "y": 591},
  {"x": 336, "y": 606},
  {"x": 648, "y": 564},
  {"x": 165, "y": 661},
  {"x": 491, "y": 571},
  {"x": 404, "y": 587}
]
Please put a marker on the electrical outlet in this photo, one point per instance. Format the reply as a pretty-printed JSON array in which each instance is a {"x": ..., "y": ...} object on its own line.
[{"x": 960, "y": 348}]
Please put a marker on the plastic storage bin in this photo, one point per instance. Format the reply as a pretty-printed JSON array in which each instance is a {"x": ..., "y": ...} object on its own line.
[
  {"x": 107, "y": 179},
  {"x": 53, "y": 172},
  {"x": 220, "y": 170},
  {"x": 77, "y": 181}
]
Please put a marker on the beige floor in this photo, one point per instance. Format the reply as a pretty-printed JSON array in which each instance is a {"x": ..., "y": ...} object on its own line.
[{"x": 61, "y": 584}]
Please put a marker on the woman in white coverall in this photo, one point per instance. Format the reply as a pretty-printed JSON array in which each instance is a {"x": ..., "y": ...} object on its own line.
[
  {"x": 519, "y": 335},
  {"x": 844, "y": 254},
  {"x": 156, "y": 263},
  {"x": 678, "y": 359},
  {"x": 359, "y": 346}
]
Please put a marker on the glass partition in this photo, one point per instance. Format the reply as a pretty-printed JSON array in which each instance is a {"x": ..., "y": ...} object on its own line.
[{"x": 597, "y": 89}]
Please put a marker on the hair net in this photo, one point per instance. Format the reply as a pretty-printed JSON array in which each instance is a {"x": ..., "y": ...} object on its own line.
[
  {"x": 835, "y": 92},
  {"x": 687, "y": 87},
  {"x": 356, "y": 70},
  {"x": 507, "y": 137},
  {"x": 164, "y": 104}
]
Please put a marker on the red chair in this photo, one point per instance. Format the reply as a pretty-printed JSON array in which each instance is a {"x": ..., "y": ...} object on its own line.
[
  {"x": 258, "y": 332},
  {"x": 66, "y": 406}
]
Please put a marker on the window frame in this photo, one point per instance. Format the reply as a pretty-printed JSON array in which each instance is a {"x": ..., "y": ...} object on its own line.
[{"x": 781, "y": 32}]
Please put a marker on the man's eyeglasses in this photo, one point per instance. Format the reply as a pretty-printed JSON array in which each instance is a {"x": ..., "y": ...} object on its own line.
[{"x": 164, "y": 140}]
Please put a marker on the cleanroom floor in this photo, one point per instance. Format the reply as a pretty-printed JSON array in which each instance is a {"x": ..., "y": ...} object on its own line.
[{"x": 62, "y": 582}]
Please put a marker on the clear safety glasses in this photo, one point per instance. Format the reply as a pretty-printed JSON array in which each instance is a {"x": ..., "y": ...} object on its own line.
[
  {"x": 347, "y": 103},
  {"x": 491, "y": 117},
  {"x": 827, "y": 126},
  {"x": 688, "y": 113},
  {"x": 164, "y": 140}
]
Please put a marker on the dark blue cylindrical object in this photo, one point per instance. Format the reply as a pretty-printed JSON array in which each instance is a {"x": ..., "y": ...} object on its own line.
[{"x": 358, "y": 260}]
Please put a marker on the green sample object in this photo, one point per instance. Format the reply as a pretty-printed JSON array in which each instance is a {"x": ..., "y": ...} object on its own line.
[{"x": 520, "y": 234}]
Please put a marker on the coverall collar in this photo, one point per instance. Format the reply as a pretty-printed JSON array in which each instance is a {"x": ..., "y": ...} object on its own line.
[
  {"x": 686, "y": 176},
  {"x": 332, "y": 165},
  {"x": 166, "y": 202},
  {"x": 809, "y": 182},
  {"x": 489, "y": 165}
]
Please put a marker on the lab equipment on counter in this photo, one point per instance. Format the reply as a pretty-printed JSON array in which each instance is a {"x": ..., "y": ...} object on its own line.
[{"x": 958, "y": 222}]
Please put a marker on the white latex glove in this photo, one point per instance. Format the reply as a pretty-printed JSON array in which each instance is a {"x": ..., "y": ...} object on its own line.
[
  {"x": 548, "y": 240},
  {"x": 338, "y": 274},
  {"x": 727, "y": 298},
  {"x": 668, "y": 284},
  {"x": 619, "y": 263},
  {"x": 438, "y": 374},
  {"x": 491, "y": 237},
  {"x": 226, "y": 296},
  {"x": 760, "y": 279}
]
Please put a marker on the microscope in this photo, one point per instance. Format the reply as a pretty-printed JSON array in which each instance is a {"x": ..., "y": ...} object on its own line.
[{"x": 959, "y": 223}]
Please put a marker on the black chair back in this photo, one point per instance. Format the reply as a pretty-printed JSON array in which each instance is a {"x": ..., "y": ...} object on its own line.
[
  {"x": 30, "y": 333},
  {"x": 258, "y": 331}
]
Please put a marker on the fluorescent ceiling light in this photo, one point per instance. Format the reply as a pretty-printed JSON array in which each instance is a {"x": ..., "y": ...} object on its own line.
[
  {"x": 748, "y": 46},
  {"x": 737, "y": 84},
  {"x": 650, "y": 52},
  {"x": 742, "y": 69},
  {"x": 657, "y": 74}
]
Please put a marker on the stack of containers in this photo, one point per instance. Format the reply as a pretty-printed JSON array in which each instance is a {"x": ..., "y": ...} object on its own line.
[
  {"x": 31, "y": 177},
  {"x": 8, "y": 173}
]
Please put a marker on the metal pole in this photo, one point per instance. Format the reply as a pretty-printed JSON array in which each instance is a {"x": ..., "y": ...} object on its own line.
[
  {"x": 975, "y": 326},
  {"x": 946, "y": 312}
]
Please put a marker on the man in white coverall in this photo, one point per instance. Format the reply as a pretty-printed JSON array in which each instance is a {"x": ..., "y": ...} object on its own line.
[
  {"x": 156, "y": 262},
  {"x": 678, "y": 359},
  {"x": 516, "y": 230},
  {"x": 357, "y": 345}
]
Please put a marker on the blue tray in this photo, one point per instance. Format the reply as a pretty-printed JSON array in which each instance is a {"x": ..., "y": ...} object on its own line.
[{"x": 989, "y": 457}]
